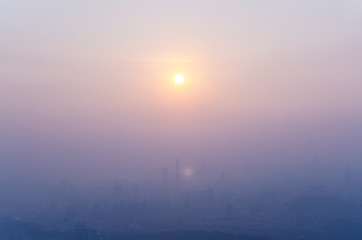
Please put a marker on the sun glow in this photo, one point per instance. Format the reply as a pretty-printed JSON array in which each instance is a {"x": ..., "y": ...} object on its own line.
[
  {"x": 188, "y": 172},
  {"x": 179, "y": 79}
]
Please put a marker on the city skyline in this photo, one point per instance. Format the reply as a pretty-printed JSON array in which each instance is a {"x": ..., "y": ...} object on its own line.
[{"x": 205, "y": 119}]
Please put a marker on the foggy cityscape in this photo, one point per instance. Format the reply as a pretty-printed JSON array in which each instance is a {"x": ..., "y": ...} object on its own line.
[{"x": 207, "y": 120}]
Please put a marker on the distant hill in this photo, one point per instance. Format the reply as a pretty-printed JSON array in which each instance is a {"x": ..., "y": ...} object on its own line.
[
  {"x": 17, "y": 230},
  {"x": 185, "y": 235}
]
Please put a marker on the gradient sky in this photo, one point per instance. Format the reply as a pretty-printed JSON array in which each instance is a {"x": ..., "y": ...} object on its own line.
[{"x": 86, "y": 86}]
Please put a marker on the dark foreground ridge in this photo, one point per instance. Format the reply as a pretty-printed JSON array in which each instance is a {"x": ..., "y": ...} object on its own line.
[
  {"x": 185, "y": 235},
  {"x": 12, "y": 229}
]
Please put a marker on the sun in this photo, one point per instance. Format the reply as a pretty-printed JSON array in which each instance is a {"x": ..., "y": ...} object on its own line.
[{"x": 179, "y": 79}]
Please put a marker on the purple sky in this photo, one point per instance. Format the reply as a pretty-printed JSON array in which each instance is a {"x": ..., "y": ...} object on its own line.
[{"x": 86, "y": 88}]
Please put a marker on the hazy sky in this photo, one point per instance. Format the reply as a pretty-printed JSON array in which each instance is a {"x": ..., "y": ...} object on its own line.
[{"x": 86, "y": 86}]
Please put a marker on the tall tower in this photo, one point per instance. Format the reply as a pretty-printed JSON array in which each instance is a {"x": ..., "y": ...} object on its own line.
[
  {"x": 164, "y": 176},
  {"x": 347, "y": 174},
  {"x": 177, "y": 173},
  {"x": 222, "y": 178}
]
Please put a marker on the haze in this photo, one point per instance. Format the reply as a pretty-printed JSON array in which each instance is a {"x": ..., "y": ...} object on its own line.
[{"x": 272, "y": 89}]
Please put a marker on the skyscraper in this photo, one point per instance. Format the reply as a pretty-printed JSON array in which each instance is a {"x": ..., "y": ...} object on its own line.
[
  {"x": 164, "y": 176},
  {"x": 177, "y": 173}
]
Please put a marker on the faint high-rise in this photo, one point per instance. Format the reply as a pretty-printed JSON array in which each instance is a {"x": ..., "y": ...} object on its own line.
[
  {"x": 347, "y": 173},
  {"x": 177, "y": 173},
  {"x": 164, "y": 176}
]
